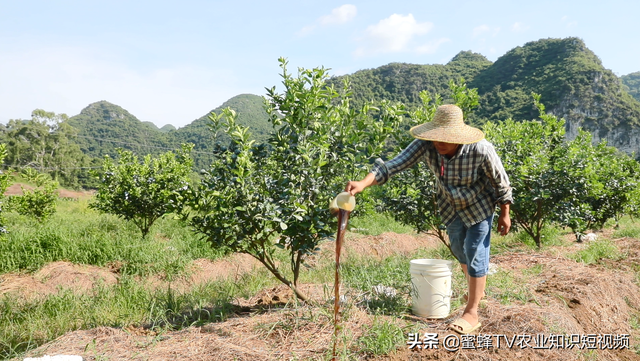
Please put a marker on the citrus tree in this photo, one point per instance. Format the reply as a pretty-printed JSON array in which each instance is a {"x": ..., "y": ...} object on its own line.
[
  {"x": 617, "y": 180},
  {"x": 257, "y": 199},
  {"x": 39, "y": 202},
  {"x": 143, "y": 191},
  {"x": 605, "y": 181},
  {"x": 571, "y": 183},
  {"x": 532, "y": 153}
]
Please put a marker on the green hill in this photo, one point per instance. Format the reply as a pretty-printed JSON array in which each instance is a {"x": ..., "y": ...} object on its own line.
[
  {"x": 251, "y": 114},
  {"x": 403, "y": 82},
  {"x": 631, "y": 83},
  {"x": 167, "y": 128},
  {"x": 570, "y": 78},
  {"x": 103, "y": 127}
]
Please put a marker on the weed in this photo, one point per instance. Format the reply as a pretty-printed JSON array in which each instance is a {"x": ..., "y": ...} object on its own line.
[
  {"x": 631, "y": 232},
  {"x": 382, "y": 338},
  {"x": 439, "y": 252},
  {"x": 365, "y": 273},
  {"x": 82, "y": 236},
  {"x": 588, "y": 355},
  {"x": 343, "y": 351},
  {"x": 553, "y": 326},
  {"x": 377, "y": 223},
  {"x": 506, "y": 287},
  {"x": 550, "y": 236},
  {"x": 292, "y": 320},
  {"x": 634, "y": 321},
  {"x": 596, "y": 251},
  {"x": 387, "y": 305},
  {"x": 534, "y": 270},
  {"x": 392, "y": 273},
  {"x": 25, "y": 324}
]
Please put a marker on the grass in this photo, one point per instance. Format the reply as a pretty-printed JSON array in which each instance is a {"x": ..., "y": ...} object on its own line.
[
  {"x": 533, "y": 270},
  {"x": 377, "y": 223},
  {"x": 83, "y": 236},
  {"x": 630, "y": 229},
  {"x": 521, "y": 241},
  {"x": 508, "y": 287},
  {"x": 382, "y": 338},
  {"x": 634, "y": 321},
  {"x": 393, "y": 272},
  {"x": 597, "y": 250},
  {"x": 80, "y": 235}
]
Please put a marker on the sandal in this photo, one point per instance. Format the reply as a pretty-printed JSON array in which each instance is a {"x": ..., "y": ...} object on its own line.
[{"x": 463, "y": 327}]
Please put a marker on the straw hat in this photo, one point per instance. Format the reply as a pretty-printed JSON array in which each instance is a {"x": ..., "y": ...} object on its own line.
[{"x": 447, "y": 126}]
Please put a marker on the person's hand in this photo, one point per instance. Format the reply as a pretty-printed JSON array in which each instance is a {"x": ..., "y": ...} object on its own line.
[
  {"x": 355, "y": 187},
  {"x": 504, "y": 224}
]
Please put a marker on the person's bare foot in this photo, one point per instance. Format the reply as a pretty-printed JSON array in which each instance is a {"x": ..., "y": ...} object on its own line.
[
  {"x": 471, "y": 318},
  {"x": 466, "y": 324}
]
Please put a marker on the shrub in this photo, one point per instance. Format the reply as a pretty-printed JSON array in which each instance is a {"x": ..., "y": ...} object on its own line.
[
  {"x": 142, "y": 192},
  {"x": 40, "y": 202}
]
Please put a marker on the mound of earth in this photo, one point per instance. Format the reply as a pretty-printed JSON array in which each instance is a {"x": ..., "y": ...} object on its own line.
[
  {"x": 16, "y": 190},
  {"x": 54, "y": 277},
  {"x": 592, "y": 306}
]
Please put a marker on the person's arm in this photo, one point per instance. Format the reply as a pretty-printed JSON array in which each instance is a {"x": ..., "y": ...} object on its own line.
[
  {"x": 355, "y": 187},
  {"x": 504, "y": 221},
  {"x": 382, "y": 171},
  {"x": 498, "y": 177},
  {"x": 500, "y": 181}
]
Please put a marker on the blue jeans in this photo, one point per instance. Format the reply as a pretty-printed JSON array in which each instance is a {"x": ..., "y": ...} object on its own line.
[{"x": 471, "y": 245}]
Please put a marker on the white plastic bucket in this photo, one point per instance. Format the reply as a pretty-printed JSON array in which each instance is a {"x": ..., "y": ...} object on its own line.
[{"x": 431, "y": 287}]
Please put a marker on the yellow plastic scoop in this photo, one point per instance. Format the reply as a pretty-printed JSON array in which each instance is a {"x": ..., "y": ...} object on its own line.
[{"x": 343, "y": 201}]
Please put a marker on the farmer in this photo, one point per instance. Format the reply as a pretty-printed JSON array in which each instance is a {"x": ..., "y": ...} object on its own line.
[{"x": 470, "y": 181}]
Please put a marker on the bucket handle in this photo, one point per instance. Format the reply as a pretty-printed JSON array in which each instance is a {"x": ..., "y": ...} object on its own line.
[{"x": 426, "y": 280}]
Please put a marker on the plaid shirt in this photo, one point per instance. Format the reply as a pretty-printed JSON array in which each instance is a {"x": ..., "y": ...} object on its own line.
[{"x": 470, "y": 183}]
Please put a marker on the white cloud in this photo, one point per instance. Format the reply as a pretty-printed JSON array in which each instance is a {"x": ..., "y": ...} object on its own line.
[
  {"x": 306, "y": 30},
  {"x": 483, "y": 30},
  {"x": 393, "y": 34},
  {"x": 432, "y": 46},
  {"x": 479, "y": 30},
  {"x": 339, "y": 15},
  {"x": 519, "y": 27},
  {"x": 66, "y": 80}
]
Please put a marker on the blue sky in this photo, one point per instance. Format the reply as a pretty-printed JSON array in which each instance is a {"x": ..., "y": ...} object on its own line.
[{"x": 171, "y": 62}]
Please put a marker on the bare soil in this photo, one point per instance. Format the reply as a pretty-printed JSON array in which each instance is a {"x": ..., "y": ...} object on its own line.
[
  {"x": 587, "y": 301},
  {"x": 16, "y": 190}
]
